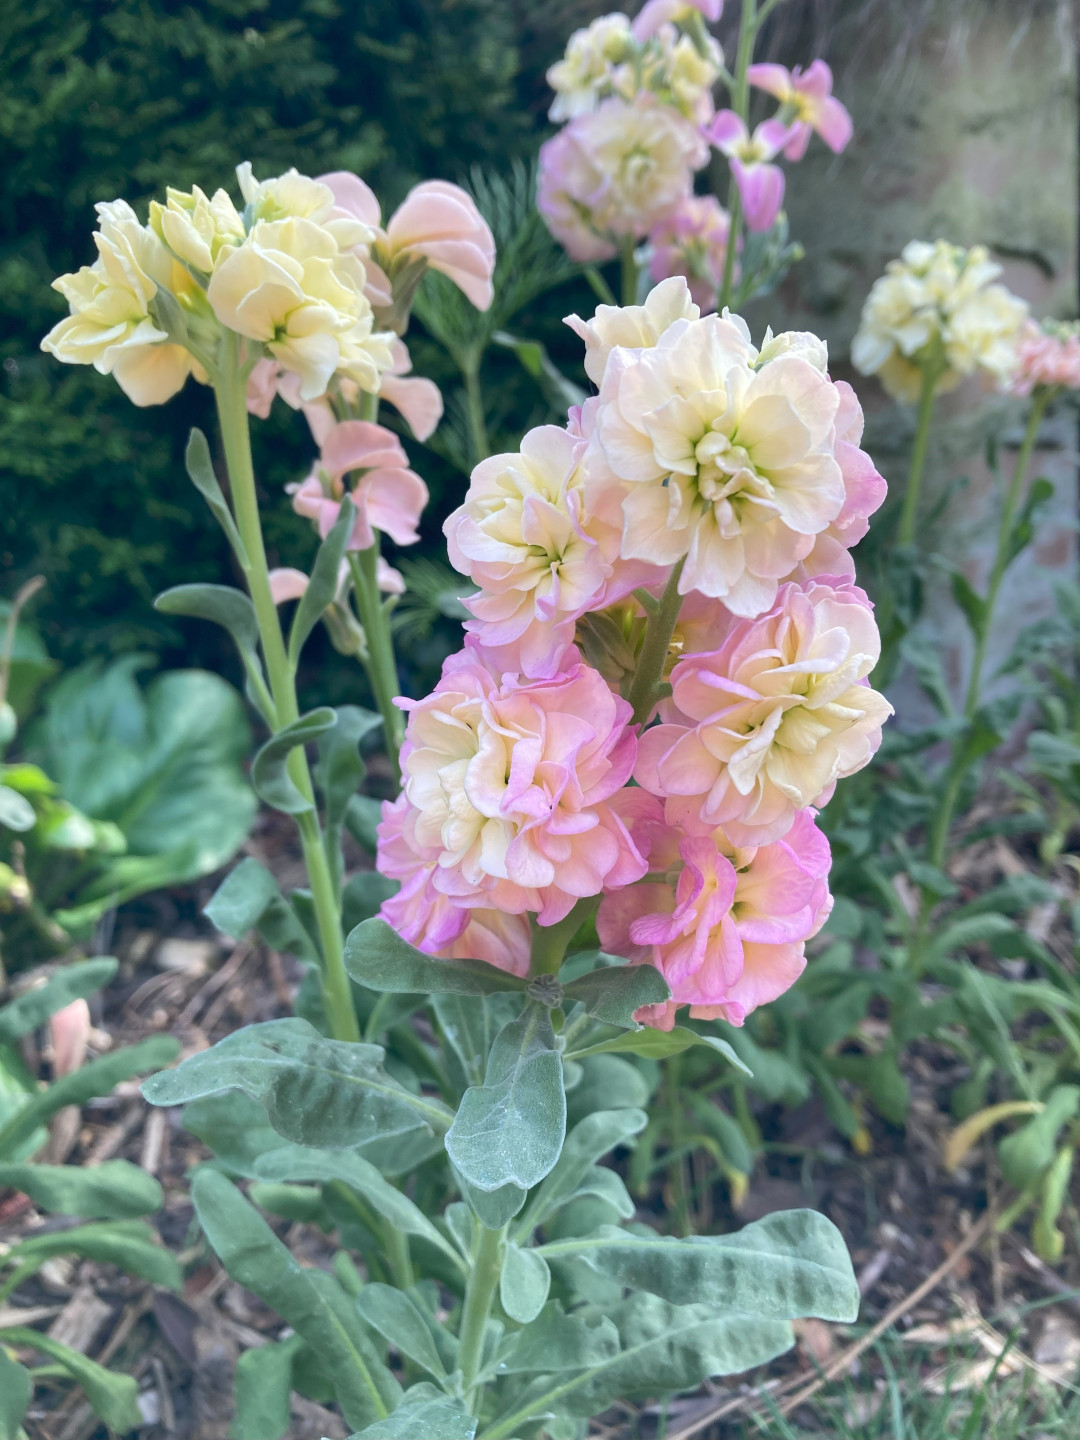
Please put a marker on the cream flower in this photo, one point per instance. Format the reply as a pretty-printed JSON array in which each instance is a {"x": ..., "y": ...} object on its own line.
[
  {"x": 634, "y": 327},
  {"x": 729, "y": 465},
  {"x": 767, "y": 723},
  {"x": 590, "y": 66},
  {"x": 196, "y": 228},
  {"x": 293, "y": 196},
  {"x": 289, "y": 287},
  {"x": 936, "y": 307},
  {"x": 110, "y": 325}
]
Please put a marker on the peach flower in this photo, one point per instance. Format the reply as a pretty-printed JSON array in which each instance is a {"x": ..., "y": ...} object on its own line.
[{"x": 388, "y": 495}]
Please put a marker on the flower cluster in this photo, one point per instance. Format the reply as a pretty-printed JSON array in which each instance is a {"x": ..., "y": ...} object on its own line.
[
  {"x": 938, "y": 310},
  {"x": 719, "y": 485},
  {"x": 638, "y": 101},
  {"x": 315, "y": 288},
  {"x": 1047, "y": 357}
]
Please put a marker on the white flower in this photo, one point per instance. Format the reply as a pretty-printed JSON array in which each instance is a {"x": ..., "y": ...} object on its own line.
[
  {"x": 293, "y": 196},
  {"x": 290, "y": 287},
  {"x": 936, "y": 307},
  {"x": 196, "y": 228},
  {"x": 110, "y": 325},
  {"x": 634, "y": 327},
  {"x": 729, "y": 465},
  {"x": 588, "y": 69}
]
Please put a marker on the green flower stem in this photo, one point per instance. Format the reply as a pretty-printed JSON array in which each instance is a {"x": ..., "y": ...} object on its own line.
[
  {"x": 740, "y": 103},
  {"x": 381, "y": 665},
  {"x": 939, "y": 835},
  {"x": 1002, "y": 557},
  {"x": 629, "y": 271},
  {"x": 549, "y": 942},
  {"x": 231, "y": 397},
  {"x": 479, "y": 445},
  {"x": 930, "y": 376},
  {"x": 487, "y": 1262},
  {"x": 646, "y": 687}
]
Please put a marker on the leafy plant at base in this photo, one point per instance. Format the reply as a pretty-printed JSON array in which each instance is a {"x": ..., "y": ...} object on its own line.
[{"x": 110, "y": 1196}]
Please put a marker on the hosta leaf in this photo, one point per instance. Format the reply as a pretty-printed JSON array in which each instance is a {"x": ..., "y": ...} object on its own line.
[
  {"x": 98, "y": 1077},
  {"x": 510, "y": 1130},
  {"x": 33, "y": 1007},
  {"x": 425, "y": 1413},
  {"x": 114, "y": 1190},
  {"x": 613, "y": 993},
  {"x": 308, "y": 1300},
  {"x": 789, "y": 1265},
  {"x": 376, "y": 956},
  {"x": 112, "y": 1397},
  {"x": 318, "y": 1092}
]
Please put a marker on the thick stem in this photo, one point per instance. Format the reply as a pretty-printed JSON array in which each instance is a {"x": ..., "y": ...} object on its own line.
[
  {"x": 654, "y": 651},
  {"x": 930, "y": 376},
  {"x": 230, "y": 394},
  {"x": 381, "y": 664},
  {"x": 1002, "y": 557},
  {"x": 740, "y": 103},
  {"x": 487, "y": 1263},
  {"x": 549, "y": 942},
  {"x": 629, "y": 271},
  {"x": 474, "y": 410}
]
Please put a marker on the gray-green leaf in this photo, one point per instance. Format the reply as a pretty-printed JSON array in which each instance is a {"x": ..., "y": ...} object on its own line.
[
  {"x": 376, "y": 956},
  {"x": 590, "y": 1138},
  {"x": 424, "y": 1414},
  {"x": 510, "y": 1130},
  {"x": 112, "y": 1397},
  {"x": 524, "y": 1283},
  {"x": 74, "y": 982},
  {"x": 613, "y": 993},
  {"x": 399, "y": 1320},
  {"x": 269, "y": 769},
  {"x": 200, "y": 471},
  {"x": 264, "y": 1390},
  {"x": 249, "y": 899},
  {"x": 16, "y": 1387},
  {"x": 322, "y": 587},
  {"x": 114, "y": 1190}
]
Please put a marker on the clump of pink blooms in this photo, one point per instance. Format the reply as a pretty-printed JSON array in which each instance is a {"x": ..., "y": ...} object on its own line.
[
  {"x": 637, "y": 98},
  {"x": 707, "y": 468},
  {"x": 1047, "y": 357}
]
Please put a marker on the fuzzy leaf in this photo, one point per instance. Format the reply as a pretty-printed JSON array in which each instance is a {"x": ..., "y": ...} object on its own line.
[
  {"x": 376, "y": 956},
  {"x": 613, "y": 993},
  {"x": 425, "y": 1413},
  {"x": 269, "y": 769},
  {"x": 523, "y": 1283},
  {"x": 114, "y": 1190},
  {"x": 112, "y": 1397},
  {"x": 33, "y": 1007}
]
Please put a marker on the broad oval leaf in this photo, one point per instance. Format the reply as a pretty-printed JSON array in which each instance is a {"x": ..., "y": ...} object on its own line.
[
  {"x": 112, "y": 1397},
  {"x": 264, "y": 1391},
  {"x": 114, "y": 1190},
  {"x": 425, "y": 1413},
  {"x": 524, "y": 1283},
  {"x": 376, "y": 956},
  {"x": 249, "y": 899},
  {"x": 74, "y": 982},
  {"x": 613, "y": 993},
  {"x": 510, "y": 1130},
  {"x": 590, "y": 1138},
  {"x": 318, "y": 1092},
  {"x": 399, "y": 1320},
  {"x": 128, "y": 1244}
]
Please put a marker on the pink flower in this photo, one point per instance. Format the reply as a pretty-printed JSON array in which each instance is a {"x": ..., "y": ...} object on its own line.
[
  {"x": 761, "y": 185},
  {"x": 525, "y": 537},
  {"x": 692, "y": 241},
  {"x": 656, "y": 13},
  {"x": 289, "y": 584},
  {"x": 864, "y": 492},
  {"x": 614, "y": 172},
  {"x": 726, "y": 926},
  {"x": 1047, "y": 355},
  {"x": 436, "y": 222},
  {"x": 419, "y": 400},
  {"x": 807, "y": 104},
  {"x": 511, "y": 782},
  {"x": 388, "y": 496},
  {"x": 766, "y": 724},
  {"x": 69, "y": 1035}
]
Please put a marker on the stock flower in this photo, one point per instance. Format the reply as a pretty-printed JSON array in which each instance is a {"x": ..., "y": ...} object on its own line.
[
  {"x": 935, "y": 307},
  {"x": 523, "y": 536},
  {"x": 416, "y": 398},
  {"x": 726, "y": 460},
  {"x": 293, "y": 196},
  {"x": 110, "y": 325},
  {"x": 634, "y": 327},
  {"x": 807, "y": 103},
  {"x": 767, "y": 723},
  {"x": 614, "y": 173},
  {"x": 761, "y": 184},
  {"x": 388, "y": 495},
  {"x": 656, "y": 13},
  {"x": 195, "y": 227},
  {"x": 289, "y": 584},
  {"x": 512, "y": 785},
  {"x": 692, "y": 241},
  {"x": 1048, "y": 356},
  {"x": 726, "y": 925},
  {"x": 594, "y": 64},
  {"x": 289, "y": 286}
]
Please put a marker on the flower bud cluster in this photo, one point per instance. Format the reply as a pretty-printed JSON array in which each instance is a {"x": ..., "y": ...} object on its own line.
[
  {"x": 712, "y": 486},
  {"x": 938, "y": 309}
]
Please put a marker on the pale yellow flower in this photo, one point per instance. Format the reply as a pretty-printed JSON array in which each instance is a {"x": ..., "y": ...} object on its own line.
[
  {"x": 197, "y": 228},
  {"x": 636, "y": 327}
]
